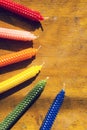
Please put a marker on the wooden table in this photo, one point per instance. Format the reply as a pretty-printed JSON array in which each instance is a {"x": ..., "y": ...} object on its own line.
[{"x": 63, "y": 40}]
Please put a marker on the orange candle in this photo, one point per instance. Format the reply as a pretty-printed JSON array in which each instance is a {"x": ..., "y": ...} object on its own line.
[{"x": 17, "y": 56}]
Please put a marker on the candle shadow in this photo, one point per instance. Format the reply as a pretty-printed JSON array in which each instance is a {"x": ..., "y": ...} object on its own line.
[
  {"x": 68, "y": 104},
  {"x": 17, "y": 88},
  {"x": 75, "y": 103},
  {"x": 19, "y": 21},
  {"x": 16, "y": 66},
  {"x": 13, "y": 45}
]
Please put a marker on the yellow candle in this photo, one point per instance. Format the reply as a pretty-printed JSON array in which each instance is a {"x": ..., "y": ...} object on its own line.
[{"x": 19, "y": 78}]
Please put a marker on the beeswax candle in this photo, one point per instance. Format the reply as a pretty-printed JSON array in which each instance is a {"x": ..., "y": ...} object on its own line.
[
  {"x": 52, "y": 112},
  {"x": 21, "y": 108},
  {"x": 19, "y": 78},
  {"x": 21, "y": 10},
  {"x": 16, "y": 34},
  {"x": 17, "y": 56}
]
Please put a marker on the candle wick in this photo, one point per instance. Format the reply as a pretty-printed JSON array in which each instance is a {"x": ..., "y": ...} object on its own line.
[
  {"x": 37, "y": 36},
  {"x": 46, "y": 18},
  {"x": 43, "y": 63},
  {"x": 47, "y": 77},
  {"x": 39, "y": 47},
  {"x": 64, "y": 86}
]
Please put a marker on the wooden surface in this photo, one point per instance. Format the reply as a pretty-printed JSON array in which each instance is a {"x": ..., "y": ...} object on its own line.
[{"x": 63, "y": 38}]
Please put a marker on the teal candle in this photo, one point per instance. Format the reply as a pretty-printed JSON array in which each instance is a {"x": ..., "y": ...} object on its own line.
[{"x": 21, "y": 108}]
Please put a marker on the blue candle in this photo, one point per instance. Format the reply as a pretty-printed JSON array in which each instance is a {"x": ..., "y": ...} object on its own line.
[{"x": 52, "y": 112}]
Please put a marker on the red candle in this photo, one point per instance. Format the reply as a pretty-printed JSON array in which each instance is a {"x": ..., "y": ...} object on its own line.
[{"x": 21, "y": 10}]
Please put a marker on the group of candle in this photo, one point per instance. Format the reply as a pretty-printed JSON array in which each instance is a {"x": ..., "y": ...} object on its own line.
[{"x": 15, "y": 57}]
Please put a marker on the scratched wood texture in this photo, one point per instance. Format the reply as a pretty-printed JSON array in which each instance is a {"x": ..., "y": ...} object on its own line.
[{"x": 63, "y": 40}]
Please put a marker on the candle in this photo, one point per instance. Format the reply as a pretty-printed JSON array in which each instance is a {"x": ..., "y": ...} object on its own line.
[
  {"x": 21, "y": 108},
  {"x": 52, "y": 113},
  {"x": 17, "y": 56},
  {"x": 16, "y": 34},
  {"x": 19, "y": 78},
  {"x": 21, "y": 10}
]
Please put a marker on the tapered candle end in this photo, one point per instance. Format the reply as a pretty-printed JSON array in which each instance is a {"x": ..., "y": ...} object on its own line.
[
  {"x": 35, "y": 37},
  {"x": 41, "y": 65},
  {"x": 64, "y": 87},
  {"x": 46, "y": 18}
]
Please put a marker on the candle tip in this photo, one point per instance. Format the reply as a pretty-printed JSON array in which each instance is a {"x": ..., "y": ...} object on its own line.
[
  {"x": 64, "y": 86},
  {"x": 46, "y": 18},
  {"x": 35, "y": 37},
  {"x": 47, "y": 77},
  {"x": 39, "y": 47},
  {"x": 43, "y": 63}
]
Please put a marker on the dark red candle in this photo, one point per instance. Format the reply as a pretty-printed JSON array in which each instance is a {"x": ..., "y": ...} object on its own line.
[{"x": 21, "y": 10}]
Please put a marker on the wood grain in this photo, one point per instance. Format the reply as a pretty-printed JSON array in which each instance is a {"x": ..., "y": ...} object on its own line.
[{"x": 63, "y": 38}]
